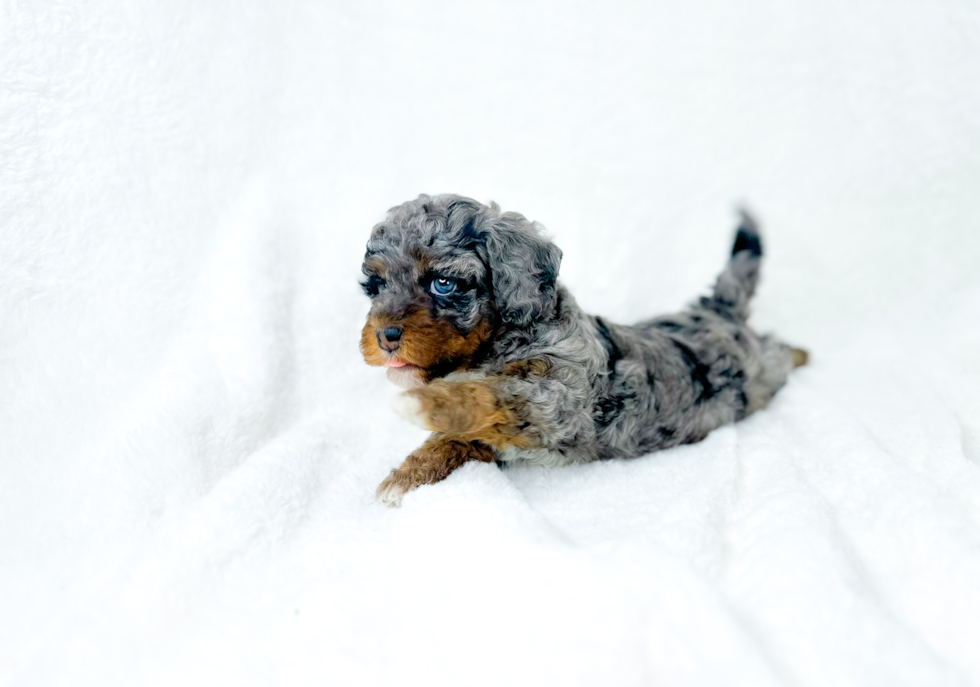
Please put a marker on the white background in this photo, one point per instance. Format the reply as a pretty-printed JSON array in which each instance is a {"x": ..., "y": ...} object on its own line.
[{"x": 190, "y": 442}]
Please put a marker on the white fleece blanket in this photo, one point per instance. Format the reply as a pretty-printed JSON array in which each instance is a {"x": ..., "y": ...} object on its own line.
[{"x": 190, "y": 442}]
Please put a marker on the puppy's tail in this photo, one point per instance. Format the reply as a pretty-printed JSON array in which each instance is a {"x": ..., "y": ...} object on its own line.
[{"x": 736, "y": 284}]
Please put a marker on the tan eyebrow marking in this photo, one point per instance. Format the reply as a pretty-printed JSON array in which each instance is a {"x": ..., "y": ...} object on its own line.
[{"x": 376, "y": 266}]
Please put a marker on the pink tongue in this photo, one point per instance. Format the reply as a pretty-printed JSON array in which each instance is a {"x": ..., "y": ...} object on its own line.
[{"x": 395, "y": 363}]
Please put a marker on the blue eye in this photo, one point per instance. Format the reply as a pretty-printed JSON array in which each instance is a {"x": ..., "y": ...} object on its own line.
[{"x": 441, "y": 286}]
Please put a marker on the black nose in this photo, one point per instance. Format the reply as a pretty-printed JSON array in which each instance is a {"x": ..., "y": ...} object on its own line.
[{"x": 388, "y": 338}]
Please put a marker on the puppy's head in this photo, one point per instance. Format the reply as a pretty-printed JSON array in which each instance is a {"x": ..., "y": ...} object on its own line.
[{"x": 447, "y": 274}]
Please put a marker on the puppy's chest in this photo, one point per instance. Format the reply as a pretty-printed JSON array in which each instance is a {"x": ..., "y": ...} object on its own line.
[
  {"x": 543, "y": 417},
  {"x": 543, "y": 457}
]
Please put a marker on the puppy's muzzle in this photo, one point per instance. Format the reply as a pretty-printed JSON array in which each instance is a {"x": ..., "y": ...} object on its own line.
[{"x": 389, "y": 338}]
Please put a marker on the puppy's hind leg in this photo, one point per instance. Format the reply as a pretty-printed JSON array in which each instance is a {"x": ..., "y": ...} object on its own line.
[
  {"x": 773, "y": 365},
  {"x": 800, "y": 356}
]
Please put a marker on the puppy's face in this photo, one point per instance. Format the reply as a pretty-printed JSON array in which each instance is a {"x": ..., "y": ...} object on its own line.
[
  {"x": 431, "y": 308},
  {"x": 445, "y": 275}
]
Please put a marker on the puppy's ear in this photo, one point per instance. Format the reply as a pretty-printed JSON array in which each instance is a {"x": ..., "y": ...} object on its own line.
[{"x": 523, "y": 269}]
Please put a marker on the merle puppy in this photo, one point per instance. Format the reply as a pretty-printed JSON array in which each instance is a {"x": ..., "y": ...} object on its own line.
[{"x": 501, "y": 364}]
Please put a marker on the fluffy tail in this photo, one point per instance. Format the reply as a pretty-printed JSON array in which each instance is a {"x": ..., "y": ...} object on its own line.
[{"x": 736, "y": 284}]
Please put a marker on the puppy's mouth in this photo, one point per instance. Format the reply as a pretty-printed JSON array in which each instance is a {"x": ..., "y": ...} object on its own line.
[{"x": 405, "y": 375}]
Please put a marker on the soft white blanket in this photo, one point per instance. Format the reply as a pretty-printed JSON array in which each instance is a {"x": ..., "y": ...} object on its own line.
[{"x": 190, "y": 443}]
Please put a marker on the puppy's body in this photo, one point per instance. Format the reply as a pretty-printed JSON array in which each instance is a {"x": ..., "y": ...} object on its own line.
[{"x": 507, "y": 367}]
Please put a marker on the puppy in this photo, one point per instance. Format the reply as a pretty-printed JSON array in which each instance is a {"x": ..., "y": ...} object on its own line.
[{"x": 502, "y": 365}]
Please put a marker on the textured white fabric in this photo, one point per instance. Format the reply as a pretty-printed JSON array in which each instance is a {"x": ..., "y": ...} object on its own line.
[{"x": 190, "y": 443}]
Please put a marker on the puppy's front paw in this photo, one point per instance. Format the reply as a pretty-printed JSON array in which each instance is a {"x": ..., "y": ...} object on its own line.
[
  {"x": 393, "y": 488},
  {"x": 409, "y": 406},
  {"x": 457, "y": 408},
  {"x": 430, "y": 463}
]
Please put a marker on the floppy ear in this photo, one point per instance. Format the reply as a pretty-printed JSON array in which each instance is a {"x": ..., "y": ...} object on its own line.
[{"x": 523, "y": 269}]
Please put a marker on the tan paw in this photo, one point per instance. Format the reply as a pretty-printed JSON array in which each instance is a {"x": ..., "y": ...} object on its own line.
[
  {"x": 393, "y": 488},
  {"x": 800, "y": 357}
]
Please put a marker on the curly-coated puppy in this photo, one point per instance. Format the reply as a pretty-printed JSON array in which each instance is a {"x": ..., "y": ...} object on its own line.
[{"x": 501, "y": 364}]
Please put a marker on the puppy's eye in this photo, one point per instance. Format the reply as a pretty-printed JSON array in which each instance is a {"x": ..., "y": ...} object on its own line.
[
  {"x": 374, "y": 285},
  {"x": 442, "y": 286}
]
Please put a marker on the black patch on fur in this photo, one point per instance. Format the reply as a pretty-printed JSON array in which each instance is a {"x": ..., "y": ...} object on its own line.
[
  {"x": 459, "y": 300},
  {"x": 738, "y": 383},
  {"x": 666, "y": 433},
  {"x": 669, "y": 325},
  {"x": 373, "y": 285},
  {"x": 746, "y": 241},
  {"x": 699, "y": 372},
  {"x": 725, "y": 309},
  {"x": 740, "y": 413},
  {"x": 548, "y": 275},
  {"x": 652, "y": 381},
  {"x": 443, "y": 368},
  {"x": 609, "y": 408},
  {"x": 470, "y": 237},
  {"x": 612, "y": 348}
]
